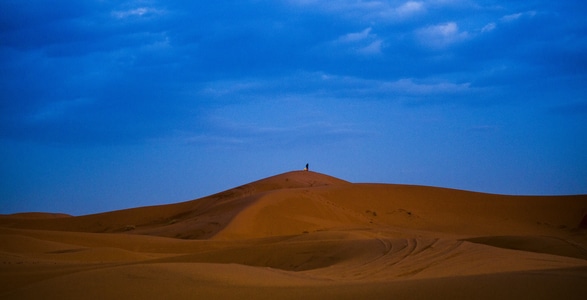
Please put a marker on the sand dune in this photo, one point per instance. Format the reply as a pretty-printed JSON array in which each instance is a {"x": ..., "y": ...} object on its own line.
[{"x": 305, "y": 234}]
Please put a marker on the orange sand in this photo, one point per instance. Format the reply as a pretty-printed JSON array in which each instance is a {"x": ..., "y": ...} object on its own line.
[{"x": 305, "y": 235}]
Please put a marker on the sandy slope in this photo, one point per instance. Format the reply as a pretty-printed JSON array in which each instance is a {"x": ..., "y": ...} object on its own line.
[{"x": 305, "y": 234}]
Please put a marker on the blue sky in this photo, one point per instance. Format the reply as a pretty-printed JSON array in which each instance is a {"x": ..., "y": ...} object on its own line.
[{"x": 107, "y": 105}]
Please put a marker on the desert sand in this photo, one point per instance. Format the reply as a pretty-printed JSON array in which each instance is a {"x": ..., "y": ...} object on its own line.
[{"x": 305, "y": 235}]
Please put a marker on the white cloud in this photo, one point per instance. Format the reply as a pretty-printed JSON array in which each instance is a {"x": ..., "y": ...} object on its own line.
[
  {"x": 408, "y": 86},
  {"x": 445, "y": 30},
  {"x": 355, "y": 36},
  {"x": 370, "y": 10},
  {"x": 319, "y": 85},
  {"x": 405, "y": 86},
  {"x": 371, "y": 49},
  {"x": 511, "y": 17},
  {"x": 442, "y": 35},
  {"x": 516, "y": 16},
  {"x": 489, "y": 27},
  {"x": 136, "y": 12},
  {"x": 410, "y": 8},
  {"x": 363, "y": 42},
  {"x": 507, "y": 19}
]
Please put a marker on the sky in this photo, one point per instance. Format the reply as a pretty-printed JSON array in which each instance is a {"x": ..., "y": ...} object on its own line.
[{"x": 106, "y": 105}]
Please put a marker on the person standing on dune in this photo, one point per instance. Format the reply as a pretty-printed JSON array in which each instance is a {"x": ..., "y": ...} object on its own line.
[{"x": 307, "y": 167}]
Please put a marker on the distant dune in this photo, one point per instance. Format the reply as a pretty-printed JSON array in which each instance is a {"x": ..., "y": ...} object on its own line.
[{"x": 305, "y": 235}]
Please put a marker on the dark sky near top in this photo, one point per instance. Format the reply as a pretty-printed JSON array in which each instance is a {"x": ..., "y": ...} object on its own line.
[{"x": 113, "y": 104}]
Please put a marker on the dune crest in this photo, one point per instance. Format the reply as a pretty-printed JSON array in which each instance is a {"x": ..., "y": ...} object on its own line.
[{"x": 305, "y": 234}]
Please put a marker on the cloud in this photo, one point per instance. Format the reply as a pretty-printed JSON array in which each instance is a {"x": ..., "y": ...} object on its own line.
[
  {"x": 148, "y": 74},
  {"x": 366, "y": 10},
  {"x": 373, "y": 48},
  {"x": 411, "y": 87},
  {"x": 516, "y": 16},
  {"x": 410, "y": 8},
  {"x": 356, "y": 36},
  {"x": 320, "y": 86},
  {"x": 441, "y": 35},
  {"x": 137, "y": 12},
  {"x": 362, "y": 43},
  {"x": 489, "y": 27},
  {"x": 504, "y": 20}
]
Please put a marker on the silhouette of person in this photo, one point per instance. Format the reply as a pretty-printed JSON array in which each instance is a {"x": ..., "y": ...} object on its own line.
[{"x": 307, "y": 167}]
